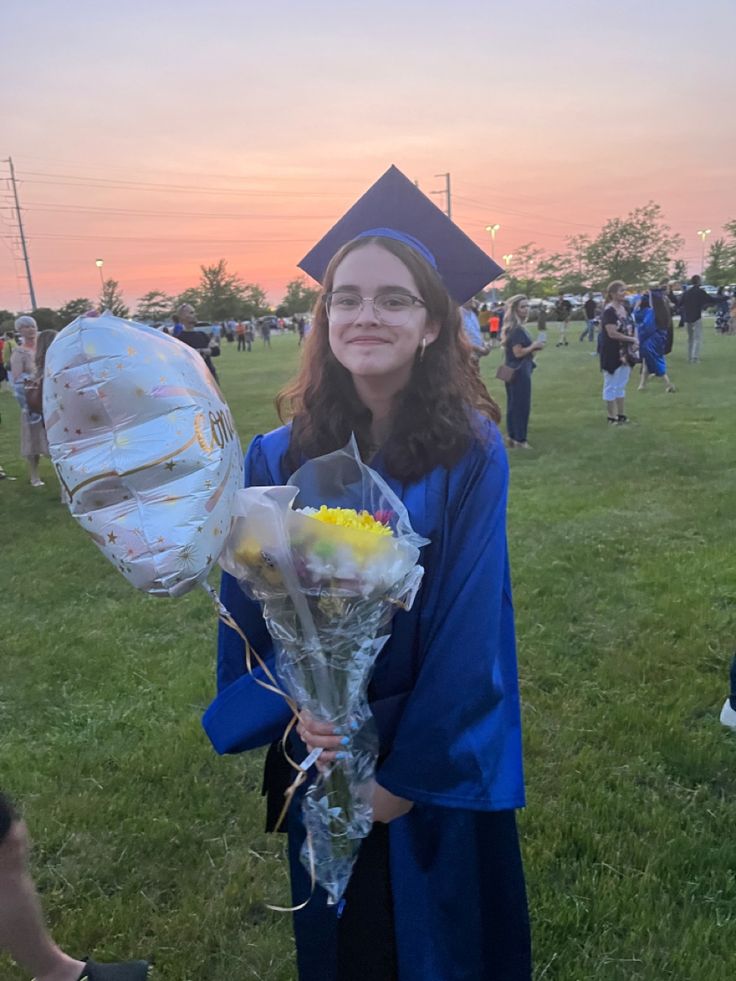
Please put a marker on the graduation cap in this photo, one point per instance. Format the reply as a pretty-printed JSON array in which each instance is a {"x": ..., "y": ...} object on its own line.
[{"x": 395, "y": 208}]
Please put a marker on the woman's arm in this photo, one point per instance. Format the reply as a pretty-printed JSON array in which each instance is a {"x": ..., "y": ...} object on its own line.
[
  {"x": 519, "y": 351},
  {"x": 457, "y": 742},
  {"x": 387, "y": 806},
  {"x": 244, "y": 714},
  {"x": 16, "y": 365},
  {"x": 616, "y": 335}
]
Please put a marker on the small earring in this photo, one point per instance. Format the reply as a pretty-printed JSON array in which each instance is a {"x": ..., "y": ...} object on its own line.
[{"x": 422, "y": 349}]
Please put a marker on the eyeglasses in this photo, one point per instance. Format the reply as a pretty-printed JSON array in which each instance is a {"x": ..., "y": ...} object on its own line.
[{"x": 392, "y": 309}]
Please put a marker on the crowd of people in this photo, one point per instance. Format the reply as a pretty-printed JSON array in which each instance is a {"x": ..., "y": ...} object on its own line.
[
  {"x": 631, "y": 329},
  {"x": 241, "y": 331}
]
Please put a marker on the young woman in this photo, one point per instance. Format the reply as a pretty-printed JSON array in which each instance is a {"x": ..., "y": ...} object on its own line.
[
  {"x": 438, "y": 888},
  {"x": 33, "y": 443},
  {"x": 520, "y": 349},
  {"x": 654, "y": 330},
  {"x": 617, "y": 341}
]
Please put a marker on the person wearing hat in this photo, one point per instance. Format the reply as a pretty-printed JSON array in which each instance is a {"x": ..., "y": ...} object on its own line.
[{"x": 438, "y": 888}]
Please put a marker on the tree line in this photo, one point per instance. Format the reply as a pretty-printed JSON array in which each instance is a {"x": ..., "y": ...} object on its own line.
[
  {"x": 219, "y": 295},
  {"x": 638, "y": 249}
]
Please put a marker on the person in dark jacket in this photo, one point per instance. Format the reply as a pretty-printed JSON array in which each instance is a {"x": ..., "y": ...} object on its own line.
[
  {"x": 207, "y": 346},
  {"x": 590, "y": 308},
  {"x": 694, "y": 301}
]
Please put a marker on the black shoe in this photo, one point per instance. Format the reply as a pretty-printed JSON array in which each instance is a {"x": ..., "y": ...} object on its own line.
[
  {"x": 622, "y": 420},
  {"x": 124, "y": 971},
  {"x": 613, "y": 420}
]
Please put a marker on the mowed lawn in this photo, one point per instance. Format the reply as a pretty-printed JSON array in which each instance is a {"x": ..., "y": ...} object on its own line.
[{"x": 622, "y": 541}]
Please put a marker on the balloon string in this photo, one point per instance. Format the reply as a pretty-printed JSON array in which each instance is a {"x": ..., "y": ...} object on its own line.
[
  {"x": 313, "y": 881},
  {"x": 301, "y": 773}
]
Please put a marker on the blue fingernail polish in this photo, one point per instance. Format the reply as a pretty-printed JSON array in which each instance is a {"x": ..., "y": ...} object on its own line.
[
  {"x": 354, "y": 725},
  {"x": 339, "y": 730},
  {"x": 342, "y": 756},
  {"x": 345, "y": 741}
]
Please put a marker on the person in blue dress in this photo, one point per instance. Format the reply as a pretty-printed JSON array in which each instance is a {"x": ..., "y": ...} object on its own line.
[
  {"x": 438, "y": 890},
  {"x": 654, "y": 330}
]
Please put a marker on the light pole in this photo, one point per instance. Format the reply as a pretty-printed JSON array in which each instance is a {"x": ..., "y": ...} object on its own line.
[
  {"x": 507, "y": 257},
  {"x": 703, "y": 232},
  {"x": 100, "y": 263},
  {"x": 492, "y": 229}
]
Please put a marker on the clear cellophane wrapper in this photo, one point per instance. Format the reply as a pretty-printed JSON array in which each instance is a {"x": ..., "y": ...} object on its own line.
[{"x": 328, "y": 593}]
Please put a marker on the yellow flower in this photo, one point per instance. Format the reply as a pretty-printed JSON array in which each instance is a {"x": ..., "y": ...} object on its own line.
[
  {"x": 351, "y": 519},
  {"x": 259, "y": 562}
]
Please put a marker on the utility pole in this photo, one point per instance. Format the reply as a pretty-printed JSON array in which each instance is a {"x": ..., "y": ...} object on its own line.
[
  {"x": 22, "y": 236},
  {"x": 447, "y": 192}
]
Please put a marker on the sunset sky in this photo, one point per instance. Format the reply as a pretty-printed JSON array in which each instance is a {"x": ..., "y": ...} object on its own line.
[{"x": 162, "y": 135}]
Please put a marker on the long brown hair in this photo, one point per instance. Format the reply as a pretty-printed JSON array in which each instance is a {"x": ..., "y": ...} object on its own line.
[
  {"x": 43, "y": 343},
  {"x": 433, "y": 421}
]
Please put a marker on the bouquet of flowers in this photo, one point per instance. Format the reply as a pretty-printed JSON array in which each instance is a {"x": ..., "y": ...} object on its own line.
[{"x": 331, "y": 556}]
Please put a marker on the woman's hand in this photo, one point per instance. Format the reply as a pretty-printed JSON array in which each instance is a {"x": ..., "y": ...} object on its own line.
[{"x": 321, "y": 735}]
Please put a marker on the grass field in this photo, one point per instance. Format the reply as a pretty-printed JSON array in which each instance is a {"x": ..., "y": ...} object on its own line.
[{"x": 622, "y": 544}]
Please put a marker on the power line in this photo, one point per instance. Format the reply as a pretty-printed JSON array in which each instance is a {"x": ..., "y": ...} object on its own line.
[
  {"x": 73, "y": 180},
  {"x": 63, "y": 236},
  {"x": 145, "y": 213},
  {"x": 525, "y": 214},
  {"x": 190, "y": 173}
]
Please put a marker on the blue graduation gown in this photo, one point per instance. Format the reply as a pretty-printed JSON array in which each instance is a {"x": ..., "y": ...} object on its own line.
[
  {"x": 445, "y": 697},
  {"x": 652, "y": 342}
]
